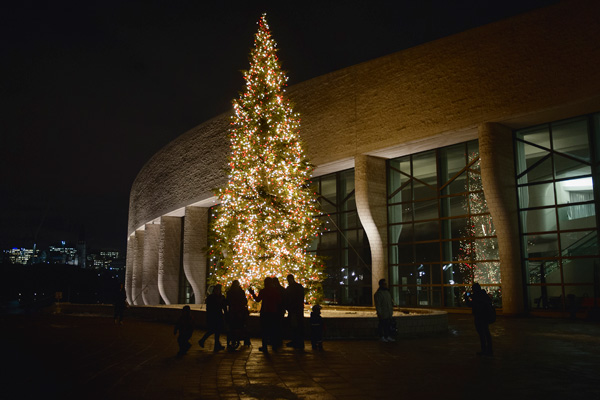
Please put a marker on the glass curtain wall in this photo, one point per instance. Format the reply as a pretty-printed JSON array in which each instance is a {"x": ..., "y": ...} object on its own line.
[
  {"x": 441, "y": 236},
  {"x": 556, "y": 165},
  {"x": 343, "y": 243}
]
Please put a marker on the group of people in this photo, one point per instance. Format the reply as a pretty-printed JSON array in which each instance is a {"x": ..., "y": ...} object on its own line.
[
  {"x": 276, "y": 300},
  {"x": 231, "y": 311},
  {"x": 234, "y": 307}
]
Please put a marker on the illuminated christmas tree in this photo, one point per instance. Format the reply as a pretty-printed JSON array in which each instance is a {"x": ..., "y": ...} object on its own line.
[
  {"x": 268, "y": 213},
  {"x": 478, "y": 257}
]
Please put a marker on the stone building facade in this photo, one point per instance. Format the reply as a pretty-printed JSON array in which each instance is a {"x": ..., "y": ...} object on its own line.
[{"x": 457, "y": 124}]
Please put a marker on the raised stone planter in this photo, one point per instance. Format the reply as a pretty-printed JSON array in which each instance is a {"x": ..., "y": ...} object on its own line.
[
  {"x": 362, "y": 322},
  {"x": 340, "y": 322}
]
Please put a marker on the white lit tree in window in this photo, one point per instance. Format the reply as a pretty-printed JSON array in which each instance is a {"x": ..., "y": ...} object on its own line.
[
  {"x": 476, "y": 255},
  {"x": 268, "y": 213}
]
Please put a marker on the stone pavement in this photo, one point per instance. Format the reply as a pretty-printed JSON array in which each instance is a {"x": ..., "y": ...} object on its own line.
[{"x": 88, "y": 357}]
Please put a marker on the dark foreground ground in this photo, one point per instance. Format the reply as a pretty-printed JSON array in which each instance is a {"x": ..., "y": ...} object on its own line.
[{"x": 87, "y": 357}]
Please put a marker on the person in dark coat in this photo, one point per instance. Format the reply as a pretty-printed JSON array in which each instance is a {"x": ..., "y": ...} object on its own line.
[
  {"x": 278, "y": 332},
  {"x": 185, "y": 327},
  {"x": 294, "y": 299},
  {"x": 269, "y": 313},
  {"x": 120, "y": 304},
  {"x": 237, "y": 315},
  {"x": 215, "y": 307},
  {"x": 316, "y": 328},
  {"x": 384, "y": 306},
  {"x": 481, "y": 305}
]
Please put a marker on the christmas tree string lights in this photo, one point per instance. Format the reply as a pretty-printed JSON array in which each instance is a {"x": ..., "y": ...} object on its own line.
[
  {"x": 478, "y": 251},
  {"x": 268, "y": 214}
]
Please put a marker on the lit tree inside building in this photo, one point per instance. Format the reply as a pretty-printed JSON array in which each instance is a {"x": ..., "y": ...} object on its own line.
[
  {"x": 479, "y": 249},
  {"x": 268, "y": 213}
]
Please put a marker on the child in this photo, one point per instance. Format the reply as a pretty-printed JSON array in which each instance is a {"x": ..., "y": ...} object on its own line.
[
  {"x": 316, "y": 328},
  {"x": 185, "y": 327}
]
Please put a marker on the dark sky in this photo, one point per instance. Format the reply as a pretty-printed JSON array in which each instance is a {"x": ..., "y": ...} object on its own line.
[{"x": 90, "y": 90}]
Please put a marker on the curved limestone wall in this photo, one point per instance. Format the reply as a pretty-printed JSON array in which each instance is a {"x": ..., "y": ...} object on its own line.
[{"x": 518, "y": 71}]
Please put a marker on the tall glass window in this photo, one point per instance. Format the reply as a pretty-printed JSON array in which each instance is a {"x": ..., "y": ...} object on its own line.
[
  {"x": 441, "y": 236},
  {"x": 343, "y": 243},
  {"x": 556, "y": 166}
]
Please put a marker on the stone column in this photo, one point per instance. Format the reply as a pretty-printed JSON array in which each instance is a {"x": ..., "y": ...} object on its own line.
[
  {"x": 129, "y": 267},
  {"x": 138, "y": 268},
  {"x": 169, "y": 259},
  {"x": 195, "y": 239},
  {"x": 150, "y": 293},
  {"x": 371, "y": 204},
  {"x": 498, "y": 178}
]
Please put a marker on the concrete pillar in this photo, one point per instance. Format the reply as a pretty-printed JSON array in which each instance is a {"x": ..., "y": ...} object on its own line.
[
  {"x": 195, "y": 239},
  {"x": 150, "y": 293},
  {"x": 498, "y": 178},
  {"x": 129, "y": 267},
  {"x": 138, "y": 268},
  {"x": 169, "y": 258},
  {"x": 371, "y": 204}
]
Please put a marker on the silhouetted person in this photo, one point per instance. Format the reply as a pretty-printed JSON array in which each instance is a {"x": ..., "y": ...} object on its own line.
[
  {"x": 269, "y": 313},
  {"x": 294, "y": 299},
  {"x": 120, "y": 304},
  {"x": 385, "y": 311},
  {"x": 185, "y": 327},
  {"x": 278, "y": 332},
  {"x": 215, "y": 307},
  {"x": 237, "y": 315},
  {"x": 316, "y": 328},
  {"x": 481, "y": 305}
]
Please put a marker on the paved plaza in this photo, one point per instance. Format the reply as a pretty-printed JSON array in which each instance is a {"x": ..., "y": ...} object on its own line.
[{"x": 88, "y": 357}]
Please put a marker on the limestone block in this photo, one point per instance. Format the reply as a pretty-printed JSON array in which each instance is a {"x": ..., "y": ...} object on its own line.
[
  {"x": 195, "y": 240},
  {"x": 170, "y": 258},
  {"x": 150, "y": 293},
  {"x": 138, "y": 268}
]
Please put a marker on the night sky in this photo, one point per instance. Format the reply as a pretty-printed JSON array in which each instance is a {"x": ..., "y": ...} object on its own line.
[{"x": 90, "y": 90}]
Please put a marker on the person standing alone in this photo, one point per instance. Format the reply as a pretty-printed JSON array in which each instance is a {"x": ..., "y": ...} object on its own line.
[
  {"x": 482, "y": 307},
  {"x": 120, "y": 304},
  {"x": 385, "y": 311}
]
